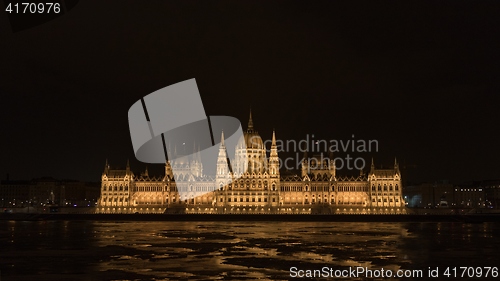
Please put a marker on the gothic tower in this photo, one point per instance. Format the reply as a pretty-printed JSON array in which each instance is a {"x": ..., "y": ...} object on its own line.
[
  {"x": 223, "y": 173},
  {"x": 274, "y": 161}
]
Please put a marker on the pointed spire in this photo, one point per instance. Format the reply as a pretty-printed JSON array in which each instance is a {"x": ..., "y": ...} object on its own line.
[
  {"x": 274, "y": 169},
  {"x": 127, "y": 169},
  {"x": 396, "y": 165},
  {"x": 274, "y": 149},
  {"x": 222, "y": 161},
  {"x": 250, "y": 122},
  {"x": 198, "y": 154},
  {"x": 222, "y": 148},
  {"x": 106, "y": 166}
]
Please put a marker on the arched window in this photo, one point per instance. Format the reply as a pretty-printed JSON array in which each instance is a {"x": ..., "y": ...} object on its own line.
[{"x": 385, "y": 187}]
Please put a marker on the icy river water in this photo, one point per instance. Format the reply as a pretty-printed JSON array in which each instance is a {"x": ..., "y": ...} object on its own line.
[{"x": 85, "y": 250}]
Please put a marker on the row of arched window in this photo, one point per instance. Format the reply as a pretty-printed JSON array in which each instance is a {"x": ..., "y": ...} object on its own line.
[
  {"x": 150, "y": 188},
  {"x": 115, "y": 188},
  {"x": 352, "y": 189},
  {"x": 385, "y": 200},
  {"x": 325, "y": 188},
  {"x": 114, "y": 199},
  {"x": 379, "y": 188}
]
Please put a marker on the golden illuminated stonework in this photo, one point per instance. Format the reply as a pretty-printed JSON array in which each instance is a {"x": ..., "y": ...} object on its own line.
[{"x": 257, "y": 189}]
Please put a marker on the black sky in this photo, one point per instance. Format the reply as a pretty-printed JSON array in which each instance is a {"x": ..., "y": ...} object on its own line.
[{"x": 421, "y": 77}]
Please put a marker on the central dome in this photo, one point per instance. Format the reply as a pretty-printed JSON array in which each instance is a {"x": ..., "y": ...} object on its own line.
[
  {"x": 253, "y": 140},
  {"x": 250, "y": 154}
]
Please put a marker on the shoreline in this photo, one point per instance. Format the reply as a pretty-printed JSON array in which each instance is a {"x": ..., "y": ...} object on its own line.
[{"x": 469, "y": 218}]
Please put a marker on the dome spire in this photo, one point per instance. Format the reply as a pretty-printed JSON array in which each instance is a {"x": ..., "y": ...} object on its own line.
[{"x": 250, "y": 122}]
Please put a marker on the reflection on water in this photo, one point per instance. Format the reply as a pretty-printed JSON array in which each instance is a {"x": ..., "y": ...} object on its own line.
[{"x": 61, "y": 250}]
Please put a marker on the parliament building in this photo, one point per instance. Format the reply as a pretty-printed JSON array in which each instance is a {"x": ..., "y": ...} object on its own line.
[{"x": 254, "y": 188}]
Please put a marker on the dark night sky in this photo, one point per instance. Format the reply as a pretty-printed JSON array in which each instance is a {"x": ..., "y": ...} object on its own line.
[{"x": 421, "y": 77}]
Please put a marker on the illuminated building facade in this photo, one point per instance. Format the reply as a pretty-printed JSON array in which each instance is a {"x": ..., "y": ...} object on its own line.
[{"x": 255, "y": 187}]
